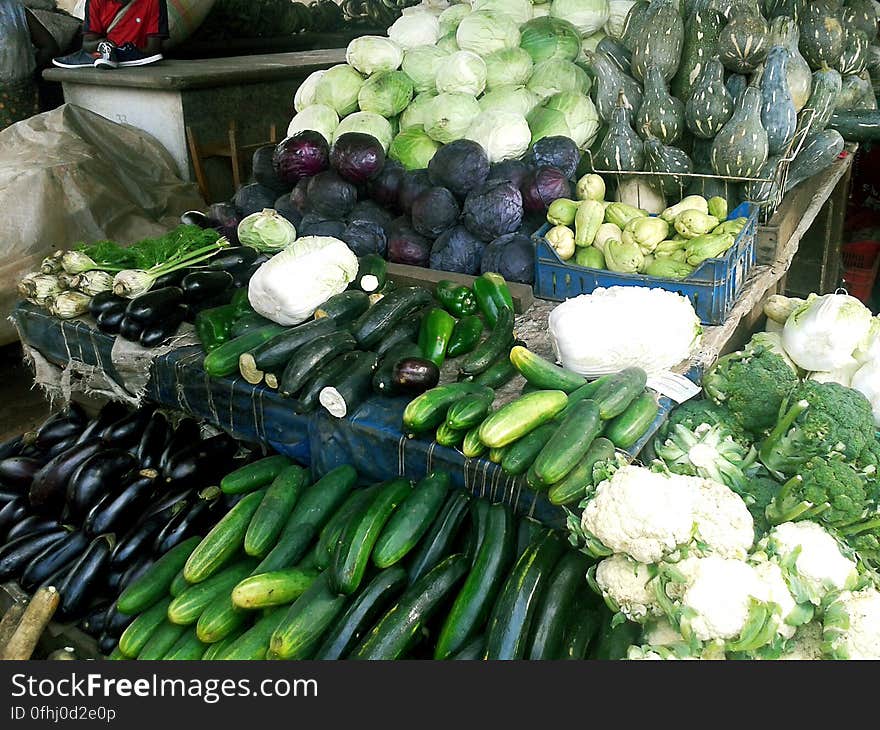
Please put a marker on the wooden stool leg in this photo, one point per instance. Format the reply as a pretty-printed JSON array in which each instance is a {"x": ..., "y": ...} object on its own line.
[
  {"x": 273, "y": 134},
  {"x": 196, "y": 156}
]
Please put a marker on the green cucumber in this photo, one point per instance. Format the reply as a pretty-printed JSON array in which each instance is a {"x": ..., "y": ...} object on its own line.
[
  {"x": 223, "y": 360},
  {"x": 625, "y": 430},
  {"x": 154, "y": 583},
  {"x": 252, "y": 476},
  {"x": 471, "y": 410},
  {"x": 178, "y": 585},
  {"x": 514, "y": 611},
  {"x": 411, "y": 520},
  {"x": 216, "y": 649},
  {"x": 161, "y": 640},
  {"x": 248, "y": 322},
  {"x": 343, "y": 308},
  {"x": 514, "y": 420},
  {"x": 139, "y": 631},
  {"x": 189, "y": 605},
  {"x": 544, "y": 374},
  {"x": 522, "y": 454},
  {"x": 558, "y": 607},
  {"x": 372, "y": 273},
  {"x": 570, "y": 442},
  {"x": 448, "y": 436},
  {"x": 273, "y": 354},
  {"x": 494, "y": 556},
  {"x": 351, "y": 388},
  {"x": 573, "y": 487},
  {"x": 253, "y": 644},
  {"x": 220, "y": 619},
  {"x": 223, "y": 542},
  {"x": 275, "y": 508},
  {"x": 359, "y": 537},
  {"x": 399, "y": 628},
  {"x": 380, "y": 319},
  {"x": 465, "y": 336},
  {"x": 490, "y": 349},
  {"x": 365, "y": 610},
  {"x": 439, "y": 540},
  {"x": 309, "y": 357},
  {"x": 277, "y": 588},
  {"x": 427, "y": 411},
  {"x": 306, "y": 622},
  {"x": 317, "y": 504},
  {"x": 496, "y": 455},
  {"x": 472, "y": 447},
  {"x": 383, "y": 380},
  {"x": 472, "y": 651},
  {"x": 329, "y": 538},
  {"x": 498, "y": 374},
  {"x": 186, "y": 648},
  {"x": 616, "y": 393},
  {"x": 585, "y": 392},
  {"x": 117, "y": 655}
]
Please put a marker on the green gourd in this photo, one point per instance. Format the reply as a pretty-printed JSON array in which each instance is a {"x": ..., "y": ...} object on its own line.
[
  {"x": 633, "y": 23},
  {"x": 741, "y": 148},
  {"x": 853, "y": 89},
  {"x": 820, "y": 150},
  {"x": 701, "y": 155},
  {"x": 822, "y": 38},
  {"x": 736, "y": 84},
  {"x": 826, "y": 88},
  {"x": 701, "y": 31},
  {"x": 667, "y": 159},
  {"x": 763, "y": 192},
  {"x": 660, "y": 41},
  {"x": 862, "y": 15},
  {"x": 616, "y": 52},
  {"x": 732, "y": 8},
  {"x": 661, "y": 114},
  {"x": 711, "y": 105},
  {"x": 778, "y": 114},
  {"x": 622, "y": 149},
  {"x": 611, "y": 82},
  {"x": 744, "y": 43},
  {"x": 778, "y": 8},
  {"x": 854, "y": 57},
  {"x": 868, "y": 99},
  {"x": 784, "y": 32}
]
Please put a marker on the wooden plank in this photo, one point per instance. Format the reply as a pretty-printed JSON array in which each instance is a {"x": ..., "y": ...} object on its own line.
[{"x": 418, "y": 276}]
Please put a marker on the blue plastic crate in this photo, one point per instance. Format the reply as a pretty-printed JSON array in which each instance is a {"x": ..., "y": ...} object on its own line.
[{"x": 713, "y": 288}]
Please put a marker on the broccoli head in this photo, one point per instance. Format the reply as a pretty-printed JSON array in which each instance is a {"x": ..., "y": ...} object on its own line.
[
  {"x": 758, "y": 492},
  {"x": 753, "y": 384},
  {"x": 697, "y": 412},
  {"x": 824, "y": 420},
  {"x": 827, "y": 490}
]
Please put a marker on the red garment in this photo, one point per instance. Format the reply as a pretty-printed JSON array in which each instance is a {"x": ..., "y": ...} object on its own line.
[{"x": 144, "y": 19}]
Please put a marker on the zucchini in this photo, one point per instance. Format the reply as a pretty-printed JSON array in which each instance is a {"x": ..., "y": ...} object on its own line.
[
  {"x": 383, "y": 381},
  {"x": 271, "y": 516},
  {"x": 309, "y": 357},
  {"x": 436, "y": 329},
  {"x": 329, "y": 374},
  {"x": 277, "y": 588},
  {"x": 581, "y": 632},
  {"x": 439, "y": 541},
  {"x": 492, "y": 347},
  {"x": 154, "y": 584},
  {"x": 575, "y": 484},
  {"x": 224, "y": 540},
  {"x": 220, "y": 619},
  {"x": 448, "y": 436},
  {"x": 498, "y": 374},
  {"x": 272, "y": 355},
  {"x": 472, "y": 651},
  {"x": 616, "y": 393},
  {"x": 372, "y": 273},
  {"x": 472, "y": 447},
  {"x": 186, "y": 648},
  {"x": 255, "y": 475},
  {"x": 366, "y": 608},
  {"x": 465, "y": 336},
  {"x": 354, "y": 505},
  {"x": 525, "y": 414},
  {"x": 223, "y": 360},
  {"x": 558, "y": 608},
  {"x": 406, "y": 331},
  {"x": 248, "y": 323},
  {"x": 253, "y": 644},
  {"x": 161, "y": 640},
  {"x": 399, "y": 628},
  {"x": 471, "y": 410},
  {"x": 570, "y": 442},
  {"x": 308, "y": 518},
  {"x": 494, "y": 556},
  {"x": 189, "y": 605},
  {"x": 139, "y": 631},
  {"x": 614, "y": 640},
  {"x": 351, "y": 389},
  {"x": 625, "y": 430},
  {"x": 427, "y": 411},
  {"x": 343, "y": 308},
  {"x": 411, "y": 520},
  {"x": 543, "y": 374},
  {"x": 378, "y": 321},
  {"x": 359, "y": 537},
  {"x": 513, "y": 612},
  {"x": 522, "y": 454},
  {"x": 304, "y": 624}
]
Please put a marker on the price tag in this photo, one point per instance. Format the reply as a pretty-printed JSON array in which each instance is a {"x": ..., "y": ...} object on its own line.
[{"x": 674, "y": 386}]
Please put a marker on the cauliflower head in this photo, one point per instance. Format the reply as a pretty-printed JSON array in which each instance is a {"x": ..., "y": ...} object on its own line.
[
  {"x": 723, "y": 520},
  {"x": 852, "y": 625},
  {"x": 805, "y": 645},
  {"x": 626, "y": 587}
]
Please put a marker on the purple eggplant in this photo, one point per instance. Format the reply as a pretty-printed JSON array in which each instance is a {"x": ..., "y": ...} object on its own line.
[
  {"x": 71, "y": 423},
  {"x": 111, "y": 412},
  {"x": 128, "y": 430},
  {"x": 61, "y": 446},
  {"x": 155, "y": 333},
  {"x": 15, "y": 555},
  {"x": 110, "y": 320},
  {"x": 93, "y": 622},
  {"x": 138, "y": 541},
  {"x": 31, "y": 525},
  {"x": 11, "y": 447},
  {"x": 55, "y": 557},
  {"x": 155, "y": 436},
  {"x": 49, "y": 487},
  {"x": 107, "y": 643},
  {"x": 202, "y": 462},
  {"x": 6, "y": 496},
  {"x": 13, "y": 512},
  {"x": 130, "y": 329},
  {"x": 186, "y": 433},
  {"x": 155, "y": 305},
  {"x": 100, "y": 474},
  {"x": 117, "y": 512},
  {"x": 83, "y": 578},
  {"x": 183, "y": 526},
  {"x": 17, "y": 472}
]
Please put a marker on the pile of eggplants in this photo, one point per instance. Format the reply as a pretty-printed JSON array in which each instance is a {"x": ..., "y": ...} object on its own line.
[
  {"x": 153, "y": 317},
  {"x": 87, "y": 505}
]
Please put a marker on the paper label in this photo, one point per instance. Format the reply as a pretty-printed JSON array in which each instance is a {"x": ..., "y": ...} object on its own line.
[{"x": 674, "y": 386}]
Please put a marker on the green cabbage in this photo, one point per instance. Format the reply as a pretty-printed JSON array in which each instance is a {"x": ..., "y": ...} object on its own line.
[
  {"x": 338, "y": 88},
  {"x": 414, "y": 114},
  {"x": 555, "y": 75},
  {"x": 547, "y": 123},
  {"x": 448, "y": 116},
  {"x": 484, "y": 33},
  {"x": 463, "y": 73},
  {"x": 386, "y": 93},
  {"x": 513, "y": 99},
  {"x": 519, "y": 11},
  {"x": 415, "y": 29},
  {"x": 266, "y": 231},
  {"x": 318, "y": 117},
  {"x": 509, "y": 66},
  {"x": 451, "y": 17},
  {"x": 372, "y": 54},
  {"x": 413, "y": 149},
  {"x": 448, "y": 43},
  {"x": 580, "y": 116},
  {"x": 368, "y": 123},
  {"x": 504, "y": 136},
  {"x": 305, "y": 94},
  {"x": 587, "y": 16},
  {"x": 619, "y": 9},
  {"x": 421, "y": 65},
  {"x": 544, "y": 38}
]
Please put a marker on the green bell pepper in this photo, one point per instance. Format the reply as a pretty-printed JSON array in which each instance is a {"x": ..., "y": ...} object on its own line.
[
  {"x": 457, "y": 299},
  {"x": 492, "y": 295},
  {"x": 434, "y": 335},
  {"x": 214, "y": 326}
]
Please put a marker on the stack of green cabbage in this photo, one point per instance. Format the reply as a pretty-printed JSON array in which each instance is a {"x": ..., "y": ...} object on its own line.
[{"x": 503, "y": 73}]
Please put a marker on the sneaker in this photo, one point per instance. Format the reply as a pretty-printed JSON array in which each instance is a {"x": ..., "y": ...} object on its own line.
[
  {"x": 107, "y": 53},
  {"x": 80, "y": 59},
  {"x": 130, "y": 55}
]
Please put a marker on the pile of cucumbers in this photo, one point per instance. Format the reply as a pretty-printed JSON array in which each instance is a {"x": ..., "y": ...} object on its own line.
[
  {"x": 559, "y": 433},
  {"x": 331, "y": 570}
]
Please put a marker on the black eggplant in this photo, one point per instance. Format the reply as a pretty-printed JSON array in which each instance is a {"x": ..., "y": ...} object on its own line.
[
  {"x": 61, "y": 426},
  {"x": 154, "y": 305},
  {"x": 128, "y": 430},
  {"x": 111, "y": 412},
  {"x": 186, "y": 433},
  {"x": 118, "y": 512},
  {"x": 86, "y": 574},
  {"x": 112, "y": 580},
  {"x": 202, "y": 462},
  {"x": 11, "y": 447},
  {"x": 57, "y": 578},
  {"x": 6, "y": 496},
  {"x": 242, "y": 276},
  {"x": 94, "y": 620},
  {"x": 110, "y": 320},
  {"x": 156, "y": 333},
  {"x": 172, "y": 279},
  {"x": 138, "y": 541},
  {"x": 200, "y": 285},
  {"x": 149, "y": 448},
  {"x": 197, "y": 218},
  {"x": 17, "y": 472},
  {"x": 169, "y": 502},
  {"x": 13, "y": 512},
  {"x": 134, "y": 572},
  {"x": 31, "y": 525},
  {"x": 104, "y": 301},
  {"x": 107, "y": 643},
  {"x": 232, "y": 258},
  {"x": 117, "y": 621},
  {"x": 62, "y": 446},
  {"x": 102, "y": 473},
  {"x": 49, "y": 487},
  {"x": 15, "y": 555},
  {"x": 183, "y": 526},
  {"x": 55, "y": 557},
  {"x": 130, "y": 329}
]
